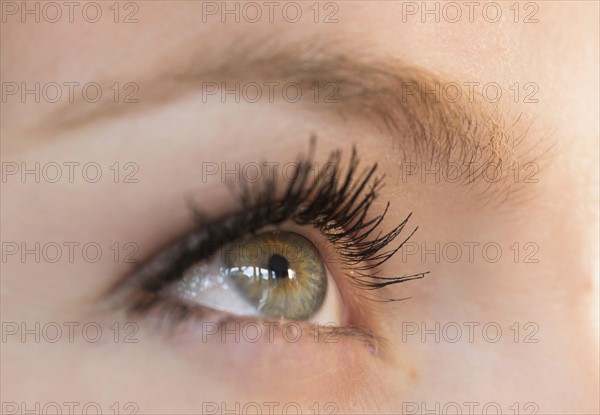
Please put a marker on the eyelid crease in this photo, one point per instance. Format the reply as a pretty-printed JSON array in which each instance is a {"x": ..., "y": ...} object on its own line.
[{"x": 385, "y": 92}]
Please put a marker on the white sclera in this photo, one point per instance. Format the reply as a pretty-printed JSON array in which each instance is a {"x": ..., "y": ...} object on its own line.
[{"x": 206, "y": 285}]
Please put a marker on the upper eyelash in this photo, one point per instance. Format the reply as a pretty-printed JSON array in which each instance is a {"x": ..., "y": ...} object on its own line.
[
  {"x": 334, "y": 210},
  {"x": 336, "y": 203}
]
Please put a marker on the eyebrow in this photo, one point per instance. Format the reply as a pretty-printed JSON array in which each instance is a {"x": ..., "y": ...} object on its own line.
[{"x": 386, "y": 94}]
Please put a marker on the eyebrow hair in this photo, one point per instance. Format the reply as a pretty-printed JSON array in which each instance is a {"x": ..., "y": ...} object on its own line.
[{"x": 388, "y": 94}]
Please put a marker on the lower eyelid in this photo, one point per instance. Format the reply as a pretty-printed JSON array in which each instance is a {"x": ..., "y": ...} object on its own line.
[
  {"x": 201, "y": 325},
  {"x": 198, "y": 323},
  {"x": 345, "y": 293}
]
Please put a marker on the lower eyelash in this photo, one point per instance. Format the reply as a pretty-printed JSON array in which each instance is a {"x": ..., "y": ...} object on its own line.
[{"x": 170, "y": 315}]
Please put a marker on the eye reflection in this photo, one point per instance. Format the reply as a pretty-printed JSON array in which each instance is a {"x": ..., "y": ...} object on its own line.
[
  {"x": 278, "y": 267},
  {"x": 279, "y": 273}
]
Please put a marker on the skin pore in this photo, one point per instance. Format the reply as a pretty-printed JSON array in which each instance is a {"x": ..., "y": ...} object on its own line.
[{"x": 171, "y": 54}]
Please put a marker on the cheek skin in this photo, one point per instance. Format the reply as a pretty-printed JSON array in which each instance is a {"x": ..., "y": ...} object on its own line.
[
  {"x": 321, "y": 369},
  {"x": 165, "y": 370}
]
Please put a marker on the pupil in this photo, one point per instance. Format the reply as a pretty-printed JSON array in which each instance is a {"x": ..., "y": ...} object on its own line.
[{"x": 278, "y": 266}]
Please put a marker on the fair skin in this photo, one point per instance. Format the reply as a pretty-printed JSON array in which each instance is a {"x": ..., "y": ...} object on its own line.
[{"x": 168, "y": 137}]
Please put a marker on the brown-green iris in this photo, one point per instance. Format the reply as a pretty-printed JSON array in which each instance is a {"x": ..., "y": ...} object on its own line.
[{"x": 280, "y": 273}]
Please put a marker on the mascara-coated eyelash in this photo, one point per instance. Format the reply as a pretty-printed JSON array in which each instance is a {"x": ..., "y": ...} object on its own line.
[{"x": 336, "y": 202}]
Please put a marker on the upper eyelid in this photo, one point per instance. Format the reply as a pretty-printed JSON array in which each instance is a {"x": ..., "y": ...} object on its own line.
[{"x": 336, "y": 204}]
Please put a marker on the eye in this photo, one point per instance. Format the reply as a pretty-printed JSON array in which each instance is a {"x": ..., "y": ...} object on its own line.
[
  {"x": 276, "y": 274},
  {"x": 247, "y": 264}
]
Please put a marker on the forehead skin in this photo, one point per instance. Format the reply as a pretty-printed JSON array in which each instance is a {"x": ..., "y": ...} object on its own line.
[{"x": 559, "y": 54}]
